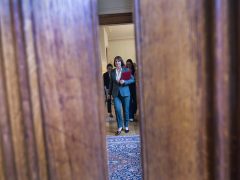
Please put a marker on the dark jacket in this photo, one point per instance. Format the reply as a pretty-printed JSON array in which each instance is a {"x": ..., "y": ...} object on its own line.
[
  {"x": 106, "y": 80},
  {"x": 116, "y": 88}
]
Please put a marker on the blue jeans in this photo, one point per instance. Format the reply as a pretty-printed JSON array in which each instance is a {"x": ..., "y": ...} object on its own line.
[{"x": 120, "y": 102}]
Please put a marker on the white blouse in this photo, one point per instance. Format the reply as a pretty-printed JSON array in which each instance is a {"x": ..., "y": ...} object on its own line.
[{"x": 118, "y": 74}]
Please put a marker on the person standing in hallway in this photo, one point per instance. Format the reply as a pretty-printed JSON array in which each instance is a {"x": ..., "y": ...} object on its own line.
[
  {"x": 119, "y": 89},
  {"x": 106, "y": 80},
  {"x": 133, "y": 92}
]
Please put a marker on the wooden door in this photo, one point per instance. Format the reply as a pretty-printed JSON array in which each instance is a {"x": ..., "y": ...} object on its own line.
[
  {"x": 51, "y": 96},
  {"x": 51, "y": 113},
  {"x": 189, "y": 88}
]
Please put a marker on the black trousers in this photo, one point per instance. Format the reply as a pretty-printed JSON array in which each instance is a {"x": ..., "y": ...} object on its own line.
[
  {"x": 133, "y": 101},
  {"x": 109, "y": 105}
]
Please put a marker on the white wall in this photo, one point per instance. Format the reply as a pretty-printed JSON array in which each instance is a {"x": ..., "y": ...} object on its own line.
[
  {"x": 124, "y": 48},
  {"x": 115, "y": 6},
  {"x": 119, "y": 41},
  {"x": 103, "y": 44}
]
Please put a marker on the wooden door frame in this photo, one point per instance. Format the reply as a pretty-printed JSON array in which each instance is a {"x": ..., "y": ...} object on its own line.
[
  {"x": 215, "y": 32},
  {"x": 119, "y": 18},
  {"x": 189, "y": 124},
  {"x": 131, "y": 18}
]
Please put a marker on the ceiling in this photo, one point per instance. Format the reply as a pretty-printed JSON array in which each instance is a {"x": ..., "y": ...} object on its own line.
[{"x": 117, "y": 32}]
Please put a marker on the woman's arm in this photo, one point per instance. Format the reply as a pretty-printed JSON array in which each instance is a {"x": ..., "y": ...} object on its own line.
[{"x": 130, "y": 81}]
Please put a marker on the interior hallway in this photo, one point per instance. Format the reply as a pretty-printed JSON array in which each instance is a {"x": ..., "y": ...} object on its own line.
[{"x": 111, "y": 126}]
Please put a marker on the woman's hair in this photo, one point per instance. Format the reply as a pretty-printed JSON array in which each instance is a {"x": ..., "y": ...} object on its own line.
[
  {"x": 119, "y": 58},
  {"x": 109, "y": 65},
  {"x": 133, "y": 67}
]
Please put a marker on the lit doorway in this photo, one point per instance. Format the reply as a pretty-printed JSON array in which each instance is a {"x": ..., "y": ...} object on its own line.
[{"x": 117, "y": 38}]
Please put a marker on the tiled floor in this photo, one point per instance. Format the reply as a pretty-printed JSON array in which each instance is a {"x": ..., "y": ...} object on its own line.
[{"x": 111, "y": 127}]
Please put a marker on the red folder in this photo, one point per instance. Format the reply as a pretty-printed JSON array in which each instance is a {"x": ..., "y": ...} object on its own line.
[{"x": 126, "y": 75}]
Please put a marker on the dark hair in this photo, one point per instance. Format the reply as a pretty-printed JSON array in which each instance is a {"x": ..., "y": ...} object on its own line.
[
  {"x": 120, "y": 59},
  {"x": 133, "y": 68},
  {"x": 109, "y": 65}
]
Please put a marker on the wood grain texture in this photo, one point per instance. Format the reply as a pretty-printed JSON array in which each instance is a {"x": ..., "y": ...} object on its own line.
[
  {"x": 68, "y": 72},
  {"x": 189, "y": 87},
  {"x": 30, "y": 143},
  {"x": 8, "y": 162},
  {"x": 52, "y": 116},
  {"x": 12, "y": 88},
  {"x": 172, "y": 81},
  {"x": 34, "y": 89},
  {"x": 51, "y": 101},
  {"x": 2, "y": 175},
  {"x": 221, "y": 81}
]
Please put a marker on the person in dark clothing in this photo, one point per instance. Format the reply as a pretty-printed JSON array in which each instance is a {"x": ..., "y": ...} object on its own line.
[
  {"x": 106, "y": 80},
  {"x": 133, "y": 92}
]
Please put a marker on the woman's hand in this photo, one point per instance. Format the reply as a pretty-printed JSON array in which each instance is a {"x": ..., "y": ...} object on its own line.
[{"x": 121, "y": 81}]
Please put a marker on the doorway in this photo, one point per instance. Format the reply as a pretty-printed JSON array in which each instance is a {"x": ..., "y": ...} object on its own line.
[
  {"x": 119, "y": 40},
  {"x": 124, "y": 149}
]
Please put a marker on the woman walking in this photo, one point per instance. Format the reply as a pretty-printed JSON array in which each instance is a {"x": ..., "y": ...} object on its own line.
[{"x": 119, "y": 88}]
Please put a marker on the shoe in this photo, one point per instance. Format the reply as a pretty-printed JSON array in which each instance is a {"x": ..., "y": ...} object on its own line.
[
  {"x": 118, "y": 133},
  {"x": 131, "y": 120},
  {"x": 126, "y": 131}
]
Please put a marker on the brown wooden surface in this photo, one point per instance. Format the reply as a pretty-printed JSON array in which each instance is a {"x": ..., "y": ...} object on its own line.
[
  {"x": 121, "y": 18},
  {"x": 235, "y": 85},
  {"x": 37, "y": 121},
  {"x": 52, "y": 122},
  {"x": 51, "y": 105},
  {"x": 68, "y": 71},
  {"x": 12, "y": 91},
  {"x": 221, "y": 81},
  {"x": 186, "y": 88},
  {"x": 172, "y": 73}
]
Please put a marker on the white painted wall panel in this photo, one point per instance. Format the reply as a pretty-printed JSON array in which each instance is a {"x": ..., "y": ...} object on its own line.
[{"x": 115, "y": 6}]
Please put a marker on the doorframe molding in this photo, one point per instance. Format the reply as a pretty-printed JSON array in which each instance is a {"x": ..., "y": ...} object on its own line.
[{"x": 120, "y": 18}]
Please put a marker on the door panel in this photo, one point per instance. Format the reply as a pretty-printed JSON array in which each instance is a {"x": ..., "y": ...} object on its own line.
[
  {"x": 69, "y": 88},
  {"x": 51, "y": 93},
  {"x": 173, "y": 81},
  {"x": 33, "y": 80},
  {"x": 188, "y": 88},
  {"x": 12, "y": 100},
  {"x": 51, "y": 99}
]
